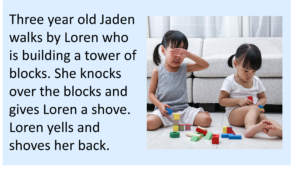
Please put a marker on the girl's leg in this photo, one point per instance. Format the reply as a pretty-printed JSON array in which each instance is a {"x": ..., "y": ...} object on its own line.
[
  {"x": 153, "y": 122},
  {"x": 202, "y": 119},
  {"x": 248, "y": 116}
]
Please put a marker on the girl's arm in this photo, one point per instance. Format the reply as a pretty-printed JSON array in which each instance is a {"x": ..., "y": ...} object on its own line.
[
  {"x": 224, "y": 100},
  {"x": 200, "y": 64},
  {"x": 262, "y": 99},
  {"x": 152, "y": 90}
]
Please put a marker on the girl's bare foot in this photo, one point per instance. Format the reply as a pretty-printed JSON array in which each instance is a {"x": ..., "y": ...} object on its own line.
[
  {"x": 274, "y": 131},
  {"x": 252, "y": 130}
]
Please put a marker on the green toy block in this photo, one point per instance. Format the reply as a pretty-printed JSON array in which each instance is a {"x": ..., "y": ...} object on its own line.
[
  {"x": 199, "y": 133},
  {"x": 195, "y": 138},
  {"x": 208, "y": 136}
]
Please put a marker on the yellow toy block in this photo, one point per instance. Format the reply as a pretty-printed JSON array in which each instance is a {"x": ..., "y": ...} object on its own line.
[
  {"x": 224, "y": 129},
  {"x": 176, "y": 116},
  {"x": 175, "y": 128}
]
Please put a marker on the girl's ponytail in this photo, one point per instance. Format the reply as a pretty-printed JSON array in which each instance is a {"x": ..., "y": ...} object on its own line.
[
  {"x": 156, "y": 56},
  {"x": 229, "y": 62}
]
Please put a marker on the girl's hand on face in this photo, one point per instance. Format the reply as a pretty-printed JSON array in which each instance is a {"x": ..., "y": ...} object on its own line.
[
  {"x": 245, "y": 102},
  {"x": 162, "y": 107},
  {"x": 179, "y": 52}
]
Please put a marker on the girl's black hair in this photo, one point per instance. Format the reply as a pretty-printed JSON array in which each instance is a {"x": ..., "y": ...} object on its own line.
[
  {"x": 251, "y": 55},
  {"x": 173, "y": 38}
]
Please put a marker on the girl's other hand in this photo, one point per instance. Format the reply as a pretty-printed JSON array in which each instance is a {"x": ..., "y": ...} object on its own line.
[
  {"x": 162, "y": 107},
  {"x": 179, "y": 52},
  {"x": 245, "y": 102}
]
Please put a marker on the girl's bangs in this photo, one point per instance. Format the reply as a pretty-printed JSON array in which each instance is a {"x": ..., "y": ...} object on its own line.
[{"x": 252, "y": 61}]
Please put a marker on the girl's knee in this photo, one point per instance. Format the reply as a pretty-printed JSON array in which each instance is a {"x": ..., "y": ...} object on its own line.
[
  {"x": 207, "y": 121},
  {"x": 204, "y": 120},
  {"x": 255, "y": 108},
  {"x": 152, "y": 124}
]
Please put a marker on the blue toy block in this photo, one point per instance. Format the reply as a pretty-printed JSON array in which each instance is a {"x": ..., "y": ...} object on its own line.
[
  {"x": 224, "y": 135},
  {"x": 235, "y": 137},
  {"x": 170, "y": 111},
  {"x": 260, "y": 106}
]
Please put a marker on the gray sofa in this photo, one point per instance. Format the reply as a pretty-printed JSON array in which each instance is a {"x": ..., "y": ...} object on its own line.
[{"x": 204, "y": 86}]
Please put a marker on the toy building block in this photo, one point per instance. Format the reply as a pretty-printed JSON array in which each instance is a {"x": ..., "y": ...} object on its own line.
[
  {"x": 229, "y": 130},
  {"x": 202, "y": 128},
  {"x": 208, "y": 136},
  {"x": 175, "y": 128},
  {"x": 199, "y": 133},
  {"x": 260, "y": 107},
  {"x": 199, "y": 130},
  {"x": 170, "y": 111},
  {"x": 190, "y": 134},
  {"x": 195, "y": 138},
  {"x": 215, "y": 139},
  {"x": 176, "y": 116},
  {"x": 181, "y": 127},
  {"x": 250, "y": 98},
  {"x": 174, "y": 134},
  {"x": 215, "y": 135},
  {"x": 235, "y": 137},
  {"x": 187, "y": 127},
  {"x": 175, "y": 122},
  {"x": 224, "y": 129},
  {"x": 225, "y": 135}
]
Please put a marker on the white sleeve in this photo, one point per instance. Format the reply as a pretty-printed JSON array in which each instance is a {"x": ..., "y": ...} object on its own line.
[
  {"x": 226, "y": 86},
  {"x": 261, "y": 87}
]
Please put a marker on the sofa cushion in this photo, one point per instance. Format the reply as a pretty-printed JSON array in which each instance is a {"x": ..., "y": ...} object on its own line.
[
  {"x": 217, "y": 51},
  {"x": 207, "y": 90},
  {"x": 228, "y": 46},
  {"x": 218, "y": 67},
  {"x": 195, "y": 46}
]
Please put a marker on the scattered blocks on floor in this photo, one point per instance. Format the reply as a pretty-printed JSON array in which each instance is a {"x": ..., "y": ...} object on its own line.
[
  {"x": 187, "y": 127},
  {"x": 174, "y": 134},
  {"x": 195, "y": 138},
  {"x": 208, "y": 136},
  {"x": 170, "y": 111},
  {"x": 225, "y": 135},
  {"x": 176, "y": 116},
  {"x": 199, "y": 130},
  {"x": 175, "y": 128},
  {"x": 235, "y": 137},
  {"x": 175, "y": 122},
  {"x": 181, "y": 127}
]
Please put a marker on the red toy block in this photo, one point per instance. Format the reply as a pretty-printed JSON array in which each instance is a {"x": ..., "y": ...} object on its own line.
[
  {"x": 215, "y": 135},
  {"x": 201, "y": 131},
  {"x": 229, "y": 130},
  {"x": 250, "y": 98},
  {"x": 215, "y": 140}
]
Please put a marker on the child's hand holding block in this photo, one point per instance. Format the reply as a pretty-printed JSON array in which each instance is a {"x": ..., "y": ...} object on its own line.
[{"x": 170, "y": 111}]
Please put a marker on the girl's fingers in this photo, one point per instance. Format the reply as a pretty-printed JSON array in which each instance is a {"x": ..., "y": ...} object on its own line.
[{"x": 168, "y": 106}]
